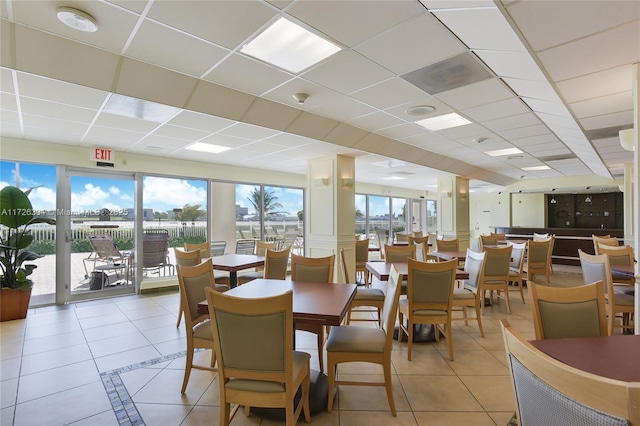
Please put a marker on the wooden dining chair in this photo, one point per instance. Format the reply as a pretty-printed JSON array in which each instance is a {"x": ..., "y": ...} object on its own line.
[
  {"x": 316, "y": 270},
  {"x": 221, "y": 277},
  {"x": 257, "y": 363},
  {"x": 399, "y": 254},
  {"x": 603, "y": 240},
  {"x": 620, "y": 303},
  {"x": 619, "y": 256},
  {"x": 429, "y": 299},
  {"x": 448, "y": 245},
  {"x": 350, "y": 343},
  {"x": 468, "y": 296},
  {"x": 276, "y": 264},
  {"x": 547, "y": 390},
  {"x": 192, "y": 281},
  {"x": 363, "y": 276},
  {"x": 516, "y": 266},
  {"x": 496, "y": 275},
  {"x": 537, "y": 260},
  {"x": 568, "y": 312},
  {"x": 487, "y": 240},
  {"x": 365, "y": 297},
  {"x": 261, "y": 250}
]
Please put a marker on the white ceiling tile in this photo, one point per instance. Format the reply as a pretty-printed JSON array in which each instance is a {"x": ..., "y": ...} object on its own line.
[
  {"x": 496, "y": 110},
  {"x": 512, "y": 64},
  {"x": 533, "y": 89},
  {"x": 480, "y": 93},
  {"x": 494, "y": 32},
  {"x": 608, "y": 120},
  {"x": 384, "y": 50},
  {"x": 613, "y": 48},
  {"x": 351, "y": 22},
  {"x": 106, "y": 119},
  {"x": 388, "y": 93},
  {"x": 239, "y": 72},
  {"x": 215, "y": 21},
  {"x": 177, "y": 51},
  {"x": 178, "y": 132},
  {"x": 249, "y": 132},
  {"x": 553, "y": 108},
  {"x": 318, "y": 95},
  {"x": 57, "y": 111},
  {"x": 512, "y": 122},
  {"x": 345, "y": 109},
  {"x": 615, "y": 80},
  {"x": 57, "y": 91},
  {"x": 375, "y": 121},
  {"x": 8, "y": 102},
  {"x": 606, "y": 104},
  {"x": 346, "y": 72}
]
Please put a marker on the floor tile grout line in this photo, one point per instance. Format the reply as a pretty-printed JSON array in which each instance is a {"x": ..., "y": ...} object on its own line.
[{"x": 122, "y": 404}]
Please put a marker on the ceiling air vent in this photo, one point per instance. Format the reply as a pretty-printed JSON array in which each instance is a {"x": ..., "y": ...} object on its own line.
[
  {"x": 606, "y": 132},
  {"x": 451, "y": 73},
  {"x": 557, "y": 157}
]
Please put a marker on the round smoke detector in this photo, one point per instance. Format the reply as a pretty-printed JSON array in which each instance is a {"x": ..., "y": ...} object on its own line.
[
  {"x": 420, "y": 110},
  {"x": 77, "y": 19}
]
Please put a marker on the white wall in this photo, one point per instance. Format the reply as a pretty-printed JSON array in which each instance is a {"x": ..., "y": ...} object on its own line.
[{"x": 528, "y": 210}]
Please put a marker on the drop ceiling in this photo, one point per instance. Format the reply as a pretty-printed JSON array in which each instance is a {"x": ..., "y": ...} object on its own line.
[{"x": 552, "y": 78}]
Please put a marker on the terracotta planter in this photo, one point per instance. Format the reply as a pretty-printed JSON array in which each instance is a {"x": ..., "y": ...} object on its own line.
[{"x": 14, "y": 304}]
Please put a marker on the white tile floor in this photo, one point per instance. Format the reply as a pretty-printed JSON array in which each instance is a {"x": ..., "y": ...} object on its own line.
[{"x": 80, "y": 364}]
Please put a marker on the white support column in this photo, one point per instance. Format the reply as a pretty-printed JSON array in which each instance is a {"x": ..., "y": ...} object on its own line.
[
  {"x": 453, "y": 211},
  {"x": 330, "y": 210}
]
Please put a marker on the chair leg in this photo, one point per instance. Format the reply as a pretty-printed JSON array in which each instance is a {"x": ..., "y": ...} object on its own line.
[
  {"x": 389, "y": 388},
  {"x": 479, "y": 318},
  {"x": 410, "y": 338},
  {"x": 321, "y": 349},
  {"x": 331, "y": 369},
  {"x": 447, "y": 332},
  {"x": 187, "y": 369},
  {"x": 521, "y": 291},
  {"x": 506, "y": 296},
  {"x": 306, "y": 386}
]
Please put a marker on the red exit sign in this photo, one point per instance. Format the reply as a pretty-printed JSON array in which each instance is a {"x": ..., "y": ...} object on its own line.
[{"x": 103, "y": 155}]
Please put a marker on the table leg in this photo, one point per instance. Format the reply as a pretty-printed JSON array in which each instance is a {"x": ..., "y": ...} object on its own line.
[{"x": 233, "y": 279}]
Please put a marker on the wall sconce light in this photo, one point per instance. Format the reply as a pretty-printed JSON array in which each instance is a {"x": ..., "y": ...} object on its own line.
[
  {"x": 321, "y": 181},
  {"x": 626, "y": 139},
  {"x": 463, "y": 197},
  {"x": 448, "y": 194},
  {"x": 348, "y": 182}
]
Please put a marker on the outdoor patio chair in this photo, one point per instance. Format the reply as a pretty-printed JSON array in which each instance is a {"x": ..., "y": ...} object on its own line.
[
  {"x": 105, "y": 253},
  {"x": 155, "y": 253}
]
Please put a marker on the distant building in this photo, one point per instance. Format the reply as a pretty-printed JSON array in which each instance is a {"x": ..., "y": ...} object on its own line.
[
  {"x": 241, "y": 211},
  {"x": 147, "y": 214}
]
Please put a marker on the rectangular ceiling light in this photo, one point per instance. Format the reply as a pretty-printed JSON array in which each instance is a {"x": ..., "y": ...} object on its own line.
[
  {"x": 139, "y": 108},
  {"x": 501, "y": 152},
  {"x": 389, "y": 163},
  {"x": 535, "y": 168},
  {"x": 441, "y": 122},
  {"x": 392, "y": 178},
  {"x": 207, "y": 147},
  {"x": 289, "y": 46}
]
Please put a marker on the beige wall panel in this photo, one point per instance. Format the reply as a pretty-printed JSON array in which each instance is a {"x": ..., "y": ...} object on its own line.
[
  {"x": 312, "y": 126},
  {"x": 220, "y": 101}
]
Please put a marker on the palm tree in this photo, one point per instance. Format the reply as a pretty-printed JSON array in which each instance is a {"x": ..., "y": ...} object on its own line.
[
  {"x": 270, "y": 201},
  {"x": 190, "y": 213}
]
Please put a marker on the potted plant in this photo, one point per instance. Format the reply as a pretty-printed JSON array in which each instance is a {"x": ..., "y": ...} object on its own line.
[{"x": 16, "y": 215}]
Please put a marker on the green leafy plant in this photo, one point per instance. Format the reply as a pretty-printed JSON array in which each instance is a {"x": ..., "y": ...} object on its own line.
[{"x": 16, "y": 214}]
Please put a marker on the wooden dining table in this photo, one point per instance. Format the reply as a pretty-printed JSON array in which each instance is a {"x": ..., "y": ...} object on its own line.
[
  {"x": 448, "y": 255},
  {"x": 623, "y": 271},
  {"x": 616, "y": 357},
  {"x": 233, "y": 263},
  {"x": 381, "y": 270},
  {"x": 313, "y": 303}
]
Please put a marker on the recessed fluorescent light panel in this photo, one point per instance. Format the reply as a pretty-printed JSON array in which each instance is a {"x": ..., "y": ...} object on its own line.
[
  {"x": 392, "y": 178},
  {"x": 442, "y": 122},
  {"x": 289, "y": 46},
  {"x": 535, "y": 168},
  {"x": 139, "y": 108},
  {"x": 501, "y": 152},
  {"x": 389, "y": 163},
  {"x": 207, "y": 147}
]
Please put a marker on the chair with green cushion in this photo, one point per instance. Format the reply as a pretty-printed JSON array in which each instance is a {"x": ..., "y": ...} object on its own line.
[
  {"x": 365, "y": 297},
  {"x": 362, "y": 256},
  {"x": 350, "y": 343},
  {"x": 276, "y": 264},
  {"x": 619, "y": 256},
  {"x": 516, "y": 266},
  {"x": 317, "y": 270},
  {"x": 257, "y": 364},
  {"x": 399, "y": 254},
  {"x": 193, "y": 280},
  {"x": 261, "y": 250},
  {"x": 429, "y": 299},
  {"x": 568, "y": 312},
  {"x": 538, "y": 259},
  {"x": 619, "y": 300},
  {"x": 488, "y": 240},
  {"x": 468, "y": 296},
  {"x": 448, "y": 245},
  {"x": 496, "y": 274}
]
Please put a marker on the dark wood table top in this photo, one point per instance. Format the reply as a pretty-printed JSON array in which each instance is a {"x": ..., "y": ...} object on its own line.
[
  {"x": 616, "y": 357},
  {"x": 448, "y": 255},
  {"x": 623, "y": 271},
  {"x": 313, "y": 303},
  {"x": 236, "y": 262},
  {"x": 381, "y": 270}
]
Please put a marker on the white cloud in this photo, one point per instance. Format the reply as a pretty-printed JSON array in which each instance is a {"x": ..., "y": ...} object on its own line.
[
  {"x": 163, "y": 194},
  {"x": 92, "y": 198}
]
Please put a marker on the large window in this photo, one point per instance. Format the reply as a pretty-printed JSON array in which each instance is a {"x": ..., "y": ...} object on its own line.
[
  {"x": 271, "y": 214},
  {"x": 175, "y": 207}
]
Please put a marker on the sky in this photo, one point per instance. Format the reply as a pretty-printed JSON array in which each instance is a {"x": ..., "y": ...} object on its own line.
[{"x": 89, "y": 193}]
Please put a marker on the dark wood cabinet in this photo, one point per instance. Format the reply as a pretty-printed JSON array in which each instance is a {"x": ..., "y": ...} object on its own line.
[{"x": 579, "y": 211}]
